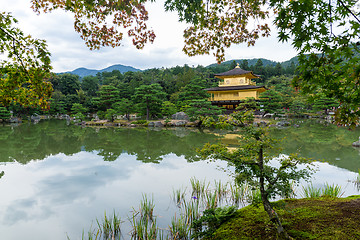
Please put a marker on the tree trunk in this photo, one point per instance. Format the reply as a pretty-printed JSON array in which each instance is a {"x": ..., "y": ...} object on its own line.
[{"x": 267, "y": 206}]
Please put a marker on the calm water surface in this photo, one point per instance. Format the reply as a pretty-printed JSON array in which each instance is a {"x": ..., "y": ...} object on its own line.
[{"x": 60, "y": 178}]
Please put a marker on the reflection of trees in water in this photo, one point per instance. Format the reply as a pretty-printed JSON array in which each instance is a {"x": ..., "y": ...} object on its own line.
[
  {"x": 35, "y": 142},
  {"x": 147, "y": 144},
  {"x": 28, "y": 142},
  {"x": 322, "y": 142}
]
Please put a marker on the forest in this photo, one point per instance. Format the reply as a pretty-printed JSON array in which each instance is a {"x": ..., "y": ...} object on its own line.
[{"x": 159, "y": 93}]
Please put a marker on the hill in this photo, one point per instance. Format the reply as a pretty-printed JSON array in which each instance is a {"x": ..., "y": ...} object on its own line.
[
  {"x": 252, "y": 62},
  {"x": 82, "y": 72}
]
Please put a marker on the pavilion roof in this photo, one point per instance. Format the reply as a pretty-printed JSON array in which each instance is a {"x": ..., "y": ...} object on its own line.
[
  {"x": 229, "y": 88},
  {"x": 236, "y": 72}
]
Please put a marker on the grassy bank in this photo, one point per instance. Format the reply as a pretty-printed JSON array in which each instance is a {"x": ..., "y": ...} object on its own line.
[{"x": 308, "y": 218}]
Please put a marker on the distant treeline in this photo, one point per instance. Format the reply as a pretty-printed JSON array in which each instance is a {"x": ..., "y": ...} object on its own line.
[{"x": 156, "y": 93}]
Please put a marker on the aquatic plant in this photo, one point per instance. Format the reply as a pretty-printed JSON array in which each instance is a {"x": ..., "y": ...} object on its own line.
[
  {"x": 311, "y": 192},
  {"x": 107, "y": 229},
  {"x": 332, "y": 190},
  {"x": 206, "y": 225},
  {"x": 238, "y": 194},
  {"x": 179, "y": 228},
  {"x": 179, "y": 196},
  {"x": 221, "y": 190},
  {"x": 198, "y": 187},
  {"x": 143, "y": 221}
]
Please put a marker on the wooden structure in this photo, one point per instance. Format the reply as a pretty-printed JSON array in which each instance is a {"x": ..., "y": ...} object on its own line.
[{"x": 235, "y": 87}]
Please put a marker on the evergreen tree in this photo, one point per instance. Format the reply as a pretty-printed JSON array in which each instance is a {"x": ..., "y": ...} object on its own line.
[
  {"x": 278, "y": 70},
  {"x": 323, "y": 103},
  {"x": 149, "y": 99},
  {"x": 245, "y": 65},
  {"x": 108, "y": 95},
  {"x": 90, "y": 84},
  {"x": 271, "y": 101},
  {"x": 68, "y": 83},
  {"x": 232, "y": 65},
  {"x": 124, "y": 107},
  {"x": 4, "y": 114}
]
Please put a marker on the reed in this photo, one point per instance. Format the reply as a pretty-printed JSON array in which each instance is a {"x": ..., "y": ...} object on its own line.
[
  {"x": 179, "y": 196},
  {"x": 238, "y": 194},
  {"x": 180, "y": 228},
  {"x": 198, "y": 187},
  {"x": 254, "y": 196},
  {"x": 191, "y": 210},
  {"x": 211, "y": 200},
  {"x": 332, "y": 190},
  {"x": 311, "y": 192},
  {"x": 221, "y": 190},
  {"x": 143, "y": 221},
  {"x": 109, "y": 228},
  {"x": 147, "y": 207}
]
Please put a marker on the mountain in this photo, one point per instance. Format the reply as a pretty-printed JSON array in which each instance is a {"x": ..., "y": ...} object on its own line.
[
  {"x": 253, "y": 61},
  {"x": 82, "y": 72}
]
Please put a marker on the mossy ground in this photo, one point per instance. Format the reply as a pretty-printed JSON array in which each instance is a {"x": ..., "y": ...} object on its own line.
[{"x": 319, "y": 218}]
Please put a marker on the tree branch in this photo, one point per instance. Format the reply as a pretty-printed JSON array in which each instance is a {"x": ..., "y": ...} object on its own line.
[{"x": 347, "y": 9}]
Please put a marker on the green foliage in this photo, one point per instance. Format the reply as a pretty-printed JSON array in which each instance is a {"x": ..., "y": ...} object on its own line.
[
  {"x": 110, "y": 114},
  {"x": 25, "y": 68},
  {"x": 210, "y": 221},
  {"x": 90, "y": 85},
  {"x": 79, "y": 116},
  {"x": 251, "y": 161},
  {"x": 327, "y": 191},
  {"x": 68, "y": 83},
  {"x": 124, "y": 107},
  {"x": 4, "y": 113},
  {"x": 194, "y": 90},
  {"x": 298, "y": 106},
  {"x": 220, "y": 122},
  {"x": 201, "y": 108},
  {"x": 243, "y": 118},
  {"x": 311, "y": 192},
  {"x": 78, "y": 108},
  {"x": 108, "y": 95},
  {"x": 271, "y": 101},
  {"x": 168, "y": 109},
  {"x": 149, "y": 99},
  {"x": 248, "y": 104},
  {"x": 140, "y": 122},
  {"x": 323, "y": 103}
]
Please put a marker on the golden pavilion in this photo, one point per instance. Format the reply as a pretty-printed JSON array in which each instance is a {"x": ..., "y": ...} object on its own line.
[{"x": 235, "y": 86}]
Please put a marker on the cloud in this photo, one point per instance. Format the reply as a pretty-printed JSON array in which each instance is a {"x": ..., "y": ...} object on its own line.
[{"x": 69, "y": 51}]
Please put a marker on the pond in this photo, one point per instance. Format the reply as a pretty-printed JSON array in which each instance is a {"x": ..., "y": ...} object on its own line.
[{"x": 59, "y": 178}]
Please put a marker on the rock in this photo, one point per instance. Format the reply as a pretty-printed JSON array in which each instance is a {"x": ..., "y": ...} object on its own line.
[
  {"x": 15, "y": 120},
  {"x": 180, "y": 123},
  {"x": 191, "y": 124},
  {"x": 151, "y": 124},
  {"x": 268, "y": 115},
  {"x": 356, "y": 144},
  {"x": 263, "y": 123},
  {"x": 180, "y": 116},
  {"x": 35, "y": 118},
  {"x": 158, "y": 124},
  {"x": 283, "y": 124}
]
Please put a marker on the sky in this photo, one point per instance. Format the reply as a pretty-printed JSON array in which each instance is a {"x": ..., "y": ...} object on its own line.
[{"x": 69, "y": 51}]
